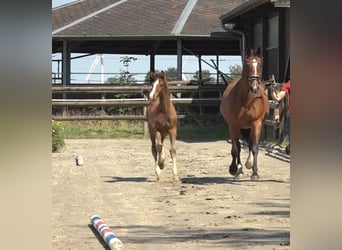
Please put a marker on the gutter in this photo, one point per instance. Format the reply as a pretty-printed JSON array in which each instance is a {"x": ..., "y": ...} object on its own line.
[{"x": 242, "y": 39}]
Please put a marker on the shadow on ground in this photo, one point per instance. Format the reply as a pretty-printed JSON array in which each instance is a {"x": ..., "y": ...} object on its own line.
[
  {"x": 193, "y": 180},
  {"x": 98, "y": 236},
  {"x": 229, "y": 237},
  {"x": 275, "y": 150},
  {"x": 206, "y": 180},
  {"x": 224, "y": 180},
  {"x": 273, "y": 208},
  {"x": 125, "y": 179}
]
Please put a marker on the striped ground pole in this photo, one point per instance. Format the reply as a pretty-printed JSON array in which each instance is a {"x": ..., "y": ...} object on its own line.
[{"x": 106, "y": 233}]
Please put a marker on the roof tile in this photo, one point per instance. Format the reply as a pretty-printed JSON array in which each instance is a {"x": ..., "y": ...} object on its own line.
[{"x": 138, "y": 18}]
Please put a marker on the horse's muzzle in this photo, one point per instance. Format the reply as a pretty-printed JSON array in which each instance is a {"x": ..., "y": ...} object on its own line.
[
  {"x": 255, "y": 90},
  {"x": 254, "y": 83}
]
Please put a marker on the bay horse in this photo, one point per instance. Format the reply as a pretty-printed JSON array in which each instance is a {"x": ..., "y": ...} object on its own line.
[
  {"x": 162, "y": 121},
  {"x": 244, "y": 106}
]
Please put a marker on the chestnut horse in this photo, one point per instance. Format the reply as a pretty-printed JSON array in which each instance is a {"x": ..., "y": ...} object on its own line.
[
  {"x": 244, "y": 106},
  {"x": 162, "y": 121}
]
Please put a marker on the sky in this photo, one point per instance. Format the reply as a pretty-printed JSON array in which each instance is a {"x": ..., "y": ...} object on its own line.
[
  {"x": 111, "y": 64},
  {"x": 56, "y": 3}
]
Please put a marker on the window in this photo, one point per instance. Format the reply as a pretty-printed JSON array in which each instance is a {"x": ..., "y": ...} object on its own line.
[
  {"x": 258, "y": 34},
  {"x": 273, "y": 33}
]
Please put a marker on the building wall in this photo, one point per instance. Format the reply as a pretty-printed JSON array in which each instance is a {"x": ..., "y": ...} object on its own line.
[
  {"x": 275, "y": 56},
  {"x": 287, "y": 41}
]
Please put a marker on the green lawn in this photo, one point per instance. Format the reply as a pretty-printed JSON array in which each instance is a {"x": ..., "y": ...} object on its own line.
[{"x": 135, "y": 129}]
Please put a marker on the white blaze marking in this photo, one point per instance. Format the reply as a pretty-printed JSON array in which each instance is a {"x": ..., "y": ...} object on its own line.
[
  {"x": 255, "y": 64},
  {"x": 155, "y": 84}
]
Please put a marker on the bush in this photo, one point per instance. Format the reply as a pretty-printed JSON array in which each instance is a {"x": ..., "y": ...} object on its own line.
[{"x": 57, "y": 136}]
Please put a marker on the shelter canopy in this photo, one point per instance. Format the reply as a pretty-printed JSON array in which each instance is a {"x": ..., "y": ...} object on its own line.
[{"x": 144, "y": 27}]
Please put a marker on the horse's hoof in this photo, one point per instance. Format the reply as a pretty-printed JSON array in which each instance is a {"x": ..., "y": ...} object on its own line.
[
  {"x": 239, "y": 170},
  {"x": 238, "y": 174},
  {"x": 161, "y": 165},
  {"x": 158, "y": 175},
  {"x": 287, "y": 149},
  {"x": 233, "y": 169},
  {"x": 255, "y": 177},
  {"x": 237, "y": 178},
  {"x": 232, "y": 172}
]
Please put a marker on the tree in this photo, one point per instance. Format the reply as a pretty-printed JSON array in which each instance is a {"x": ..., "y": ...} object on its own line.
[
  {"x": 171, "y": 74},
  {"x": 126, "y": 60},
  {"x": 235, "y": 70},
  {"x": 122, "y": 79},
  {"x": 205, "y": 75}
]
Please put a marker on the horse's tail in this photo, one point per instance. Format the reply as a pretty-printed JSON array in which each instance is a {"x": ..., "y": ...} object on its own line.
[{"x": 245, "y": 133}]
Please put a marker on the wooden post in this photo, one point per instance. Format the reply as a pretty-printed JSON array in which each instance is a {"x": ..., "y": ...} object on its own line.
[
  {"x": 152, "y": 64},
  {"x": 152, "y": 68},
  {"x": 200, "y": 77},
  {"x": 65, "y": 69},
  {"x": 179, "y": 59},
  {"x": 199, "y": 67},
  {"x": 145, "y": 123},
  {"x": 217, "y": 69}
]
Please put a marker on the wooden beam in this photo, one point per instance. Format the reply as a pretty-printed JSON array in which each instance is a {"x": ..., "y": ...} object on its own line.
[
  {"x": 134, "y": 89},
  {"x": 131, "y": 102}
]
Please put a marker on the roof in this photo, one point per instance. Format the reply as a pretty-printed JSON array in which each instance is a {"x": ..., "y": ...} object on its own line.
[
  {"x": 249, "y": 5},
  {"x": 142, "y": 23}
]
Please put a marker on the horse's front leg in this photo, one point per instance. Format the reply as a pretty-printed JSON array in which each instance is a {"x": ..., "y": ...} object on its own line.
[
  {"x": 160, "y": 148},
  {"x": 254, "y": 148},
  {"x": 250, "y": 159},
  {"x": 235, "y": 167},
  {"x": 159, "y": 163},
  {"x": 155, "y": 157},
  {"x": 173, "y": 135}
]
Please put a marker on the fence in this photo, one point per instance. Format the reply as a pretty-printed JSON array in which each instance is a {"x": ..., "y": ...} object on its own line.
[{"x": 193, "y": 101}]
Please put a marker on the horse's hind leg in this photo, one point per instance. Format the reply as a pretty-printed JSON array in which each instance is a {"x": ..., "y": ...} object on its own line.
[{"x": 172, "y": 134}]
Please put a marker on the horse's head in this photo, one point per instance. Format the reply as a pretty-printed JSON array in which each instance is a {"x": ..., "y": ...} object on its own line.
[
  {"x": 159, "y": 82},
  {"x": 253, "y": 69}
]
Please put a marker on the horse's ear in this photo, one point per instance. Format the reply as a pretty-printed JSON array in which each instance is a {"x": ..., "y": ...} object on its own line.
[
  {"x": 163, "y": 74},
  {"x": 153, "y": 75},
  {"x": 249, "y": 52},
  {"x": 258, "y": 52}
]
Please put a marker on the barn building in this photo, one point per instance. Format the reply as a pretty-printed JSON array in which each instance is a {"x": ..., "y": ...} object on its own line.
[{"x": 163, "y": 27}]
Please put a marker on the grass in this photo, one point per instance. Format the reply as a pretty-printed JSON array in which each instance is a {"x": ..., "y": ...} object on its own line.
[
  {"x": 204, "y": 131},
  {"x": 102, "y": 129},
  {"x": 135, "y": 130}
]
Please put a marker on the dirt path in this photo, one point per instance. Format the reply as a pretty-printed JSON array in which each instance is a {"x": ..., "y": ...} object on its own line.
[{"x": 205, "y": 210}]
